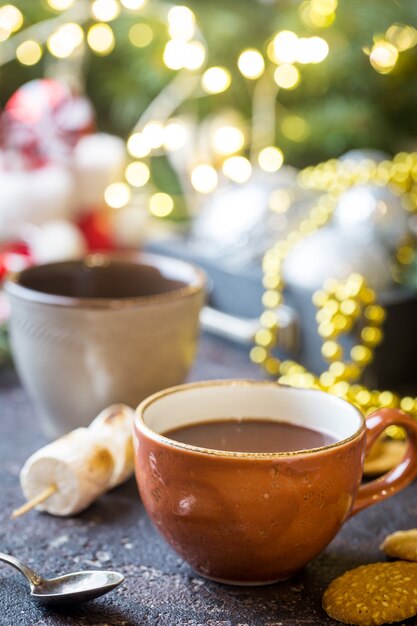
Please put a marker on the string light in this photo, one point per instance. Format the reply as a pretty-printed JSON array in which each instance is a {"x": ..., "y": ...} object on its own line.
[
  {"x": 175, "y": 135},
  {"x": 383, "y": 57},
  {"x": 237, "y": 168},
  {"x": 228, "y": 139},
  {"x": 11, "y": 19},
  {"x": 295, "y": 128},
  {"x": 195, "y": 55},
  {"x": 251, "y": 64},
  {"x": 312, "y": 50},
  {"x": 181, "y": 23},
  {"x": 287, "y": 76},
  {"x": 117, "y": 195},
  {"x": 314, "y": 15},
  {"x": 65, "y": 40},
  {"x": 100, "y": 38},
  {"x": 204, "y": 178},
  {"x": 161, "y": 204},
  {"x": 216, "y": 80},
  {"x": 137, "y": 174},
  {"x": 105, "y": 10},
  {"x": 401, "y": 36},
  {"x": 270, "y": 159},
  {"x": 29, "y": 52},
  {"x": 138, "y": 146},
  {"x": 60, "y": 5},
  {"x": 285, "y": 47},
  {"x": 133, "y": 5},
  {"x": 153, "y": 134},
  {"x": 140, "y": 35},
  {"x": 175, "y": 54}
]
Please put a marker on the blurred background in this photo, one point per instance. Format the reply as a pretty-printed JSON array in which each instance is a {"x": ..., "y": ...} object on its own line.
[{"x": 217, "y": 132}]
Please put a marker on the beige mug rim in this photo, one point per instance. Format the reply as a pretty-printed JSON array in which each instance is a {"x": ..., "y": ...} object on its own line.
[
  {"x": 13, "y": 288},
  {"x": 141, "y": 425}
]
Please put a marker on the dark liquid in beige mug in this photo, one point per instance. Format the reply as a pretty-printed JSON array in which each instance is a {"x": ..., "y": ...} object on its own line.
[
  {"x": 250, "y": 435},
  {"x": 113, "y": 280}
]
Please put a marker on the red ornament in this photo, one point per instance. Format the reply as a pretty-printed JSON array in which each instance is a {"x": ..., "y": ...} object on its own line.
[
  {"x": 97, "y": 230},
  {"x": 43, "y": 121},
  {"x": 13, "y": 258}
]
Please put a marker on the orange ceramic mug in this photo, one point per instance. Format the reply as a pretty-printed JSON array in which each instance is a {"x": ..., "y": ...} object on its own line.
[{"x": 257, "y": 518}]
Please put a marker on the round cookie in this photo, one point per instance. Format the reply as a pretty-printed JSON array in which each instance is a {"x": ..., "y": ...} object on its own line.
[
  {"x": 375, "y": 594},
  {"x": 401, "y": 545}
]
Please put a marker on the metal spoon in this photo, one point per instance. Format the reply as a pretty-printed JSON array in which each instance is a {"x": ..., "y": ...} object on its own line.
[{"x": 70, "y": 588}]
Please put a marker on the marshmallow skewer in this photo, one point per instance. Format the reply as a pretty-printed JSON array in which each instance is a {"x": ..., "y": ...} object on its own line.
[{"x": 66, "y": 476}]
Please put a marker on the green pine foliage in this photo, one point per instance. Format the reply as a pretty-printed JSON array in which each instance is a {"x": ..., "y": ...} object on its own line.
[{"x": 344, "y": 101}]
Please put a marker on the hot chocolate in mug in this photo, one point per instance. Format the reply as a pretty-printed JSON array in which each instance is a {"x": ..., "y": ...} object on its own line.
[{"x": 254, "y": 518}]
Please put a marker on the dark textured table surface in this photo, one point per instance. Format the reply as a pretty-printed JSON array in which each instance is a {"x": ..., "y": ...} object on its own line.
[{"x": 160, "y": 589}]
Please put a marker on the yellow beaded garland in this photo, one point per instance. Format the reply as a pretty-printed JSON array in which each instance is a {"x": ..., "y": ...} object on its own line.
[{"x": 341, "y": 305}]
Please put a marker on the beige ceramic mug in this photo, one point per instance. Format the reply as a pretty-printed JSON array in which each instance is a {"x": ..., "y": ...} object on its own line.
[
  {"x": 255, "y": 518},
  {"x": 86, "y": 334}
]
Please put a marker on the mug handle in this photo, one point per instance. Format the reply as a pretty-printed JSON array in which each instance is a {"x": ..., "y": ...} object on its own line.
[{"x": 402, "y": 474}]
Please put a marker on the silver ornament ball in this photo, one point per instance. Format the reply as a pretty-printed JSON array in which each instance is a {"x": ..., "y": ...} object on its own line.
[
  {"x": 369, "y": 212},
  {"x": 331, "y": 254}
]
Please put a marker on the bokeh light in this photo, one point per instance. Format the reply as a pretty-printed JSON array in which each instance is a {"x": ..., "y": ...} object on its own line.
[
  {"x": 60, "y": 5},
  {"x": 29, "y": 52},
  {"x": 181, "y": 23},
  {"x": 285, "y": 47},
  {"x": 204, "y": 178},
  {"x": 179, "y": 54},
  {"x": 270, "y": 159},
  {"x": 137, "y": 174},
  {"x": 100, "y": 38},
  {"x": 401, "y": 36},
  {"x": 237, "y": 168},
  {"x": 312, "y": 50},
  {"x": 287, "y": 76},
  {"x": 195, "y": 55},
  {"x": 105, "y": 10},
  {"x": 175, "y": 54},
  {"x": 11, "y": 19},
  {"x": 228, "y": 139},
  {"x": 295, "y": 128},
  {"x": 140, "y": 35},
  {"x": 161, "y": 204},
  {"x": 383, "y": 56},
  {"x": 318, "y": 13},
  {"x": 251, "y": 63},
  {"x": 175, "y": 135},
  {"x": 138, "y": 146},
  {"x": 153, "y": 134},
  {"x": 65, "y": 40},
  {"x": 133, "y": 5},
  {"x": 117, "y": 195},
  {"x": 216, "y": 80}
]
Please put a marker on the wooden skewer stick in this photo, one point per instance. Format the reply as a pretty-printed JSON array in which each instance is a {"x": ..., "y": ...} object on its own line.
[{"x": 44, "y": 495}]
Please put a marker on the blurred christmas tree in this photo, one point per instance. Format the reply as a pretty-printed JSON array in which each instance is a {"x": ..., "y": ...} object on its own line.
[
  {"x": 313, "y": 78},
  {"x": 339, "y": 104}
]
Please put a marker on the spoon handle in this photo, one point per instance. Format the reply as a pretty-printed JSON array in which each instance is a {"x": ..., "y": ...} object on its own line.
[{"x": 32, "y": 576}]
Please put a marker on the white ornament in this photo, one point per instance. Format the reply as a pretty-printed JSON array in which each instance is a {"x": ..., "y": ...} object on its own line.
[
  {"x": 33, "y": 197},
  {"x": 58, "y": 240},
  {"x": 98, "y": 161},
  {"x": 331, "y": 254},
  {"x": 365, "y": 154},
  {"x": 370, "y": 212},
  {"x": 237, "y": 221}
]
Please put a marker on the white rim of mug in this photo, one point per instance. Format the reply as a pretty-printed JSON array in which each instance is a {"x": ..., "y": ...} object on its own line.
[
  {"x": 14, "y": 288},
  {"x": 140, "y": 423}
]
